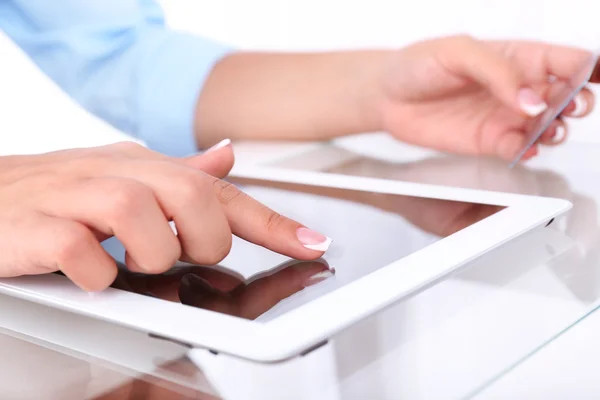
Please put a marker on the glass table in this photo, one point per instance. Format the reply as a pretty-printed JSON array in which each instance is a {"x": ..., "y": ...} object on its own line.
[{"x": 451, "y": 340}]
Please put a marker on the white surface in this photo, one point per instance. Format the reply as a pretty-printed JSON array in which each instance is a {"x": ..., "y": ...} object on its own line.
[
  {"x": 36, "y": 117},
  {"x": 564, "y": 369}
]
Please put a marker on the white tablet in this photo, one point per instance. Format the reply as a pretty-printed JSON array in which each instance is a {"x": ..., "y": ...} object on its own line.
[{"x": 391, "y": 240}]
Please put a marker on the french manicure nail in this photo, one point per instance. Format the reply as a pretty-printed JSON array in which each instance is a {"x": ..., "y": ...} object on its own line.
[
  {"x": 580, "y": 106},
  {"x": 318, "y": 277},
  {"x": 313, "y": 240},
  {"x": 220, "y": 145},
  {"x": 531, "y": 103},
  {"x": 559, "y": 134}
]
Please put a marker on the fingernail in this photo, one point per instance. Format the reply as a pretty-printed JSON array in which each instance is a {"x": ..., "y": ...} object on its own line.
[
  {"x": 220, "y": 145},
  {"x": 580, "y": 106},
  {"x": 318, "y": 277},
  {"x": 313, "y": 240},
  {"x": 559, "y": 134},
  {"x": 531, "y": 103}
]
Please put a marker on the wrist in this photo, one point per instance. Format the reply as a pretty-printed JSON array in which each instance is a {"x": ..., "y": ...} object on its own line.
[{"x": 370, "y": 90}]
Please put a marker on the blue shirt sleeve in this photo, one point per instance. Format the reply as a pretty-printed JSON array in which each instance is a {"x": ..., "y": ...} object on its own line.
[{"x": 119, "y": 61}]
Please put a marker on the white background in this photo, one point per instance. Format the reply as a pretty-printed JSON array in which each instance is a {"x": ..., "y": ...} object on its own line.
[
  {"x": 35, "y": 116},
  {"x": 41, "y": 118}
]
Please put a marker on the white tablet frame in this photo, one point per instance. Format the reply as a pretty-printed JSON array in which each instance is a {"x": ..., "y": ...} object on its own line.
[{"x": 306, "y": 327}]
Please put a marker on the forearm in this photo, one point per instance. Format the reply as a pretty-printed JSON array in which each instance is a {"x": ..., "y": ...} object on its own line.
[{"x": 308, "y": 96}]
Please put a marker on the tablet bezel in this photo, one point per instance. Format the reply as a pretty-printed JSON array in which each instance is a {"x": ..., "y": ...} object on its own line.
[{"x": 304, "y": 328}]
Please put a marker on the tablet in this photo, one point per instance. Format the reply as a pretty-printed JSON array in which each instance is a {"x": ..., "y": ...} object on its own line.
[{"x": 391, "y": 239}]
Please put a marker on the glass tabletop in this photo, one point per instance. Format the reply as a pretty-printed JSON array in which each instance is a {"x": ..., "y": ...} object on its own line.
[{"x": 448, "y": 341}]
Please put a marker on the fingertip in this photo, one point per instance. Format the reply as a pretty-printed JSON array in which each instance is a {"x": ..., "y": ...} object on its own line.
[
  {"x": 555, "y": 134},
  {"x": 217, "y": 147},
  {"x": 530, "y": 102},
  {"x": 100, "y": 282},
  {"x": 581, "y": 105},
  {"x": 157, "y": 267},
  {"x": 560, "y": 134},
  {"x": 313, "y": 240},
  {"x": 132, "y": 265}
]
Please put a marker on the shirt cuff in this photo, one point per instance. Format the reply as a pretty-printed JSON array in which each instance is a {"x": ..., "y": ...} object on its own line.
[{"x": 172, "y": 75}]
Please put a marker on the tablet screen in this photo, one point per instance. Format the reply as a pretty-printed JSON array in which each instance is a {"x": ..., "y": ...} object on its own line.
[{"x": 369, "y": 231}]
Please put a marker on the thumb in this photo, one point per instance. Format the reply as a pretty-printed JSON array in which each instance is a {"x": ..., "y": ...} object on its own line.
[
  {"x": 475, "y": 60},
  {"x": 216, "y": 161}
]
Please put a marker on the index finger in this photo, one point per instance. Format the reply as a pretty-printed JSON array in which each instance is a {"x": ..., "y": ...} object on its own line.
[{"x": 258, "y": 224}]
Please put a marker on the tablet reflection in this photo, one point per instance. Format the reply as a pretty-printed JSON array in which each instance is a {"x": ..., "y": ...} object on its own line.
[{"x": 221, "y": 290}]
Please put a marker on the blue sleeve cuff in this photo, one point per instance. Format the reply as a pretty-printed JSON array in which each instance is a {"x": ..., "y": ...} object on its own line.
[{"x": 171, "y": 76}]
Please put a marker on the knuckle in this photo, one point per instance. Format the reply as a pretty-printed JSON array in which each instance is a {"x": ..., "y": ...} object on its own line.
[
  {"x": 164, "y": 260},
  {"x": 127, "y": 148},
  {"x": 458, "y": 46},
  {"x": 463, "y": 39},
  {"x": 127, "y": 198},
  {"x": 190, "y": 187},
  {"x": 226, "y": 192}
]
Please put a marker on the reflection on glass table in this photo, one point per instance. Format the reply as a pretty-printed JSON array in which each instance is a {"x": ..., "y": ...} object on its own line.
[
  {"x": 448, "y": 341},
  {"x": 581, "y": 224},
  {"x": 34, "y": 369}
]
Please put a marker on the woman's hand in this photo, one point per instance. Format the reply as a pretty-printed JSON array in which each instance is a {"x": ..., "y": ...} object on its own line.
[
  {"x": 454, "y": 94},
  {"x": 56, "y": 208},
  {"x": 466, "y": 96}
]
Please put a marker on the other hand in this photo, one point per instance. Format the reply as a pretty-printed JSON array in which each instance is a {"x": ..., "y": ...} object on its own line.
[{"x": 466, "y": 96}]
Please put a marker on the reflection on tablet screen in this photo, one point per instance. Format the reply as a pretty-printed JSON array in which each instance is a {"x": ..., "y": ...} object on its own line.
[{"x": 369, "y": 231}]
